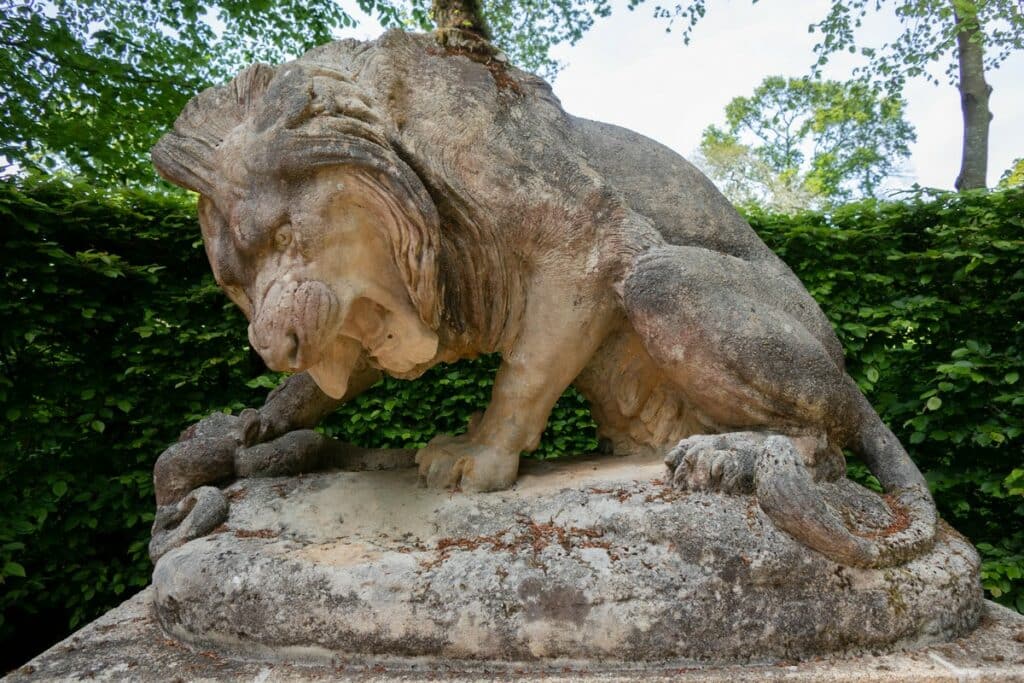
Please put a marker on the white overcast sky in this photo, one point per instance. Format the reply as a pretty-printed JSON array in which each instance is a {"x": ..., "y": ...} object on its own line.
[{"x": 627, "y": 70}]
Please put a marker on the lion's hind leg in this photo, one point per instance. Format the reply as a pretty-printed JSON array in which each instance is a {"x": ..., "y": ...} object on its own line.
[
  {"x": 728, "y": 462},
  {"x": 743, "y": 345},
  {"x": 772, "y": 467}
]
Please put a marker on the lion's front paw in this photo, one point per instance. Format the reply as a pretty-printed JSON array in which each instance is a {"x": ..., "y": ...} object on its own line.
[
  {"x": 455, "y": 461},
  {"x": 713, "y": 463}
]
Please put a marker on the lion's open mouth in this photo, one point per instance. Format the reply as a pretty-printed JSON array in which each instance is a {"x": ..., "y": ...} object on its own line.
[{"x": 326, "y": 328}]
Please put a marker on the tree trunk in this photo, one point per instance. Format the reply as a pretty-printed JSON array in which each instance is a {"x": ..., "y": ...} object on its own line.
[
  {"x": 463, "y": 19},
  {"x": 974, "y": 94}
]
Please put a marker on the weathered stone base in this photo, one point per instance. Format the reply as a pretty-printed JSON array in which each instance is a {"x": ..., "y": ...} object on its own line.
[
  {"x": 127, "y": 644},
  {"x": 583, "y": 561},
  {"x": 587, "y": 568}
]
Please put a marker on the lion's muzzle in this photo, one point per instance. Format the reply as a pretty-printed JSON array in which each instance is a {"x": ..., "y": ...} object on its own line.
[{"x": 292, "y": 324}]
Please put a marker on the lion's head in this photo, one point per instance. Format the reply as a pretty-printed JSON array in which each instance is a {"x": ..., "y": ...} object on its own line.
[{"x": 313, "y": 225}]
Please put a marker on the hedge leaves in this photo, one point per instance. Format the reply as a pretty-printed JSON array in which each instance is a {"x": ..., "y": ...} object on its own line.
[{"x": 115, "y": 338}]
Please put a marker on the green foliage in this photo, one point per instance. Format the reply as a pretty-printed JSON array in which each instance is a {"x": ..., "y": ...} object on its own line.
[
  {"x": 968, "y": 36},
  {"x": 402, "y": 414},
  {"x": 115, "y": 338},
  {"x": 928, "y": 35},
  {"x": 926, "y": 297},
  {"x": 89, "y": 85},
  {"x": 796, "y": 143},
  {"x": 528, "y": 30},
  {"x": 1013, "y": 176}
]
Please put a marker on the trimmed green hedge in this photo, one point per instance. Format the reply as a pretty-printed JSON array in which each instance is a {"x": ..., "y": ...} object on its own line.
[
  {"x": 927, "y": 297},
  {"x": 115, "y": 338}
]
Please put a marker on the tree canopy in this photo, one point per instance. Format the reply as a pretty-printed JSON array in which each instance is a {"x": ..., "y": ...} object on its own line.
[
  {"x": 1013, "y": 176},
  {"x": 91, "y": 84},
  {"x": 968, "y": 37},
  {"x": 928, "y": 35},
  {"x": 797, "y": 143}
]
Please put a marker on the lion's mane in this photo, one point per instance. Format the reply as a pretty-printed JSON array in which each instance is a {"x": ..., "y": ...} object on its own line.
[{"x": 298, "y": 117}]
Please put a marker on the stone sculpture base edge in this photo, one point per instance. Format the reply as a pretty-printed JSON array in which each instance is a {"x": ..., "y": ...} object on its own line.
[{"x": 127, "y": 644}]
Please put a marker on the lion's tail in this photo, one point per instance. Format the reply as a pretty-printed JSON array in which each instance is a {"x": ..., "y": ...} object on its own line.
[
  {"x": 785, "y": 491},
  {"x": 904, "y": 485}
]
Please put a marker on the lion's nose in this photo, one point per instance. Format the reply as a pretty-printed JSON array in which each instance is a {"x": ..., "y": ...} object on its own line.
[
  {"x": 281, "y": 352},
  {"x": 289, "y": 327}
]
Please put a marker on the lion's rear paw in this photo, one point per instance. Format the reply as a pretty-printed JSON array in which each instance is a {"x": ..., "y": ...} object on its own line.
[
  {"x": 714, "y": 463},
  {"x": 449, "y": 462}
]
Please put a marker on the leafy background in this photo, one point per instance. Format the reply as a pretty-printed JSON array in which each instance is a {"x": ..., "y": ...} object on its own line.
[
  {"x": 115, "y": 338},
  {"x": 90, "y": 85}
]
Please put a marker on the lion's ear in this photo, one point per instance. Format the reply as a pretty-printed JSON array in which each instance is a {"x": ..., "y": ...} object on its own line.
[{"x": 187, "y": 155}]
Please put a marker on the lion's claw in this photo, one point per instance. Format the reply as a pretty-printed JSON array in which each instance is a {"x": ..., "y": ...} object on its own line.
[
  {"x": 713, "y": 463},
  {"x": 450, "y": 462},
  {"x": 439, "y": 468}
]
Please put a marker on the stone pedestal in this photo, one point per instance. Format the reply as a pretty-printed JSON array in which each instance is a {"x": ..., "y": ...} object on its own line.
[
  {"x": 127, "y": 644},
  {"x": 588, "y": 568},
  {"x": 588, "y": 560}
]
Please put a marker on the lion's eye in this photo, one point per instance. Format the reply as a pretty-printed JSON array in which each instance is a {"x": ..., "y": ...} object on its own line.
[{"x": 283, "y": 236}]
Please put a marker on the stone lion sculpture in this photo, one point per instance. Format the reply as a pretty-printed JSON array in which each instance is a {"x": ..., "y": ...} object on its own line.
[{"x": 388, "y": 206}]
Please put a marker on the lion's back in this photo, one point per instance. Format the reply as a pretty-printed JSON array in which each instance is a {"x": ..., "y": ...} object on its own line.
[
  {"x": 465, "y": 101},
  {"x": 684, "y": 205}
]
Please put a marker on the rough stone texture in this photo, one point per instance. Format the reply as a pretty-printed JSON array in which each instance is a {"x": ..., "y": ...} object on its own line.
[
  {"x": 127, "y": 644},
  {"x": 592, "y": 559},
  {"x": 579, "y": 554},
  {"x": 389, "y": 205}
]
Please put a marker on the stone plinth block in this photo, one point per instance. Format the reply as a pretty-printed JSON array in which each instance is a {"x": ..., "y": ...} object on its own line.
[{"x": 593, "y": 559}]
